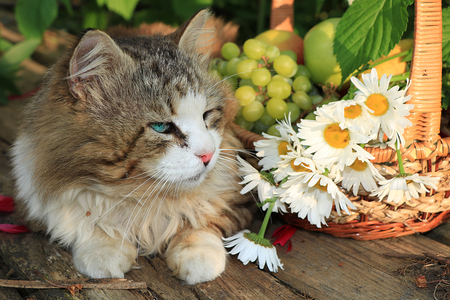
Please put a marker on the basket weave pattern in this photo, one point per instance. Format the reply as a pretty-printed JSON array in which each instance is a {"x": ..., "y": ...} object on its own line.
[{"x": 425, "y": 153}]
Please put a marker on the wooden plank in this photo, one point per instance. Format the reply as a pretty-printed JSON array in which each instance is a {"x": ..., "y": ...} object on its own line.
[{"x": 326, "y": 267}]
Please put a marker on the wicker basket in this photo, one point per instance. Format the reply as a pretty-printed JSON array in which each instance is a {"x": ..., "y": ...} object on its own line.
[{"x": 426, "y": 152}]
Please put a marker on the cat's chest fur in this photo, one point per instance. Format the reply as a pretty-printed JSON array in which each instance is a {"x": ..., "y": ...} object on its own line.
[{"x": 126, "y": 149}]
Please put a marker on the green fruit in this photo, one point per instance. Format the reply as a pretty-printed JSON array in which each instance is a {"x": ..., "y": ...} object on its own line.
[
  {"x": 293, "y": 111},
  {"x": 302, "y": 100},
  {"x": 273, "y": 131},
  {"x": 230, "y": 50},
  {"x": 318, "y": 53}
]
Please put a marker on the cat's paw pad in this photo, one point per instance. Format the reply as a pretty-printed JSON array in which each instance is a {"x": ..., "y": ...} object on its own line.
[
  {"x": 105, "y": 260},
  {"x": 199, "y": 262}
]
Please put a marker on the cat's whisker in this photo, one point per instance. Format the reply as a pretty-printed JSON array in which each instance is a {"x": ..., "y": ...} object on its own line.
[
  {"x": 130, "y": 223},
  {"x": 120, "y": 201},
  {"x": 244, "y": 151}
]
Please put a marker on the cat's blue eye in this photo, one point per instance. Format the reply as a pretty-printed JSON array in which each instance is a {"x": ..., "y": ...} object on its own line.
[{"x": 160, "y": 127}]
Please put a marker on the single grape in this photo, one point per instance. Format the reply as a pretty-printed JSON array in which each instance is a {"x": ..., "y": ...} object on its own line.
[
  {"x": 215, "y": 62},
  {"x": 279, "y": 89},
  {"x": 276, "y": 108},
  {"x": 272, "y": 52},
  {"x": 232, "y": 64},
  {"x": 216, "y": 73},
  {"x": 245, "y": 67},
  {"x": 267, "y": 119},
  {"x": 254, "y": 49},
  {"x": 316, "y": 99},
  {"x": 253, "y": 111},
  {"x": 273, "y": 131},
  {"x": 293, "y": 110},
  {"x": 311, "y": 116},
  {"x": 284, "y": 65},
  {"x": 260, "y": 98},
  {"x": 289, "y": 53},
  {"x": 259, "y": 127},
  {"x": 302, "y": 100},
  {"x": 301, "y": 83},
  {"x": 230, "y": 50},
  {"x": 222, "y": 67},
  {"x": 261, "y": 77},
  {"x": 245, "y": 95},
  {"x": 280, "y": 77},
  {"x": 233, "y": 81},
  {"x": 333, "y": 98},
  {"x": 313, "y": 91},
  {"x": 248, "y": 82},
  {"x": 242, "y": 122},
  {"x": 303, "y": 70}
]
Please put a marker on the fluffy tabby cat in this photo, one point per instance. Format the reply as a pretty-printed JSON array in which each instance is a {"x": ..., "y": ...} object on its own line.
[{"x": 126, "y": 151}]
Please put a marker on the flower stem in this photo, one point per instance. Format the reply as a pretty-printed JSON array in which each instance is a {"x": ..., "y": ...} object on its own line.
[
  {"x": 388, "y": 58},
  {"x": 400, "y": 77},
  {"x": 262, "y": 231},
  {"x": 399, "y": 159}
]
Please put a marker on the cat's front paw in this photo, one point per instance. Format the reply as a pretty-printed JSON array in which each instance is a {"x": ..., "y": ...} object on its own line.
[
  {"x": 200, "y": 257},
  {"x": 105, "y": 259}
]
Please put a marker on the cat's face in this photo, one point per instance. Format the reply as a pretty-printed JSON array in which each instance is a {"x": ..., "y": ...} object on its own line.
[{"x": 134, "y": 111}]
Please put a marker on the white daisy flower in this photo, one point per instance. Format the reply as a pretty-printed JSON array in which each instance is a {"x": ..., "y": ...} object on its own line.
[
  {"x": 409, "y": 186},
  {"x": 269, "y": 150},
  {"x": 360, "y": 173},
  {"x": 272, "y": 147},
  {"x": 312, "y": 195},
  {"x": 388, "y": 107},
  {"x": 332, "y": 142},
  {"x": 251, "y": 247},
  {"x": 254, "y": 179},
  {"x": 349, "y": 112},
  {"x": 288, "y": 133},
  {"x": 294, "y": 161}
]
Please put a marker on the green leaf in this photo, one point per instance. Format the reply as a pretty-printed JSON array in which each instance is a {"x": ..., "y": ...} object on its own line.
[
  {"x": 34, "y": 17},
  {"x": 3, "y": 97},
  {"x": 368, "y": 30},
  {"x": 101, "y": 2},
  {"x": 319, "y": 5},
  {"x": 446, "y": 34},
  {"x": 68, "y": 5},
  {"x": 124, "y": 8},
  {"x": 95, "y": 17},
  {"x": 12, "y": 58},
  {"x": 185, "y": 9},
  {"x": 6, "y": 83},
  {"x": 5, "y": 45}
]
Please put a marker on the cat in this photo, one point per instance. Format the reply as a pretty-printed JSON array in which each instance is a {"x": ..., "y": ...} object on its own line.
[{"x": 127, "y": 150}]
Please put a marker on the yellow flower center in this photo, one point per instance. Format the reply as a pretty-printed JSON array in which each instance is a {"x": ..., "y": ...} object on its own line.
[
  {"x": 336, "y": 137},
  {"x": 358, "y": 165},
  {"x": 299, "y": 168},
  {"x": 321, "y": 187},
  {"x": 352, "y": 111},
  {"x": 378, "y": 103},
  {"x": 282, "y": 148}
]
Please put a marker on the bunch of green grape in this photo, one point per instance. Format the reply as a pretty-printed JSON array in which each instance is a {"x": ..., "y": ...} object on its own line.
[{"x": 268, "y": 84}]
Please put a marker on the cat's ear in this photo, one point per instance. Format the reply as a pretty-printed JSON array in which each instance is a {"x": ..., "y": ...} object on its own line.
[
  {"x": 95, "y": 56},
  {"x": 195, "y": 35}
]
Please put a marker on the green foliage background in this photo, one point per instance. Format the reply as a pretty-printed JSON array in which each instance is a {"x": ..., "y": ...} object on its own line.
[{"x": 35, "y": 16}]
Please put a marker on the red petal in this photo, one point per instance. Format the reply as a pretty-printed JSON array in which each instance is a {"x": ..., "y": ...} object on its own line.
[
  {"x": 10, "y": 228},
  {"x": 289, "y": 247},
  {"x": 284, "y": 234},
  {"x": 6, "y": 203}
]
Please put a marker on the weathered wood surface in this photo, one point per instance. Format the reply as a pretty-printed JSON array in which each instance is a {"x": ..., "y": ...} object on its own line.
[{"x": 319, "y": 266}]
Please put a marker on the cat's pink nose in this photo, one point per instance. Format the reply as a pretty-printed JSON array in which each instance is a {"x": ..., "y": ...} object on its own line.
[{"x": 206, "y": 158}]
